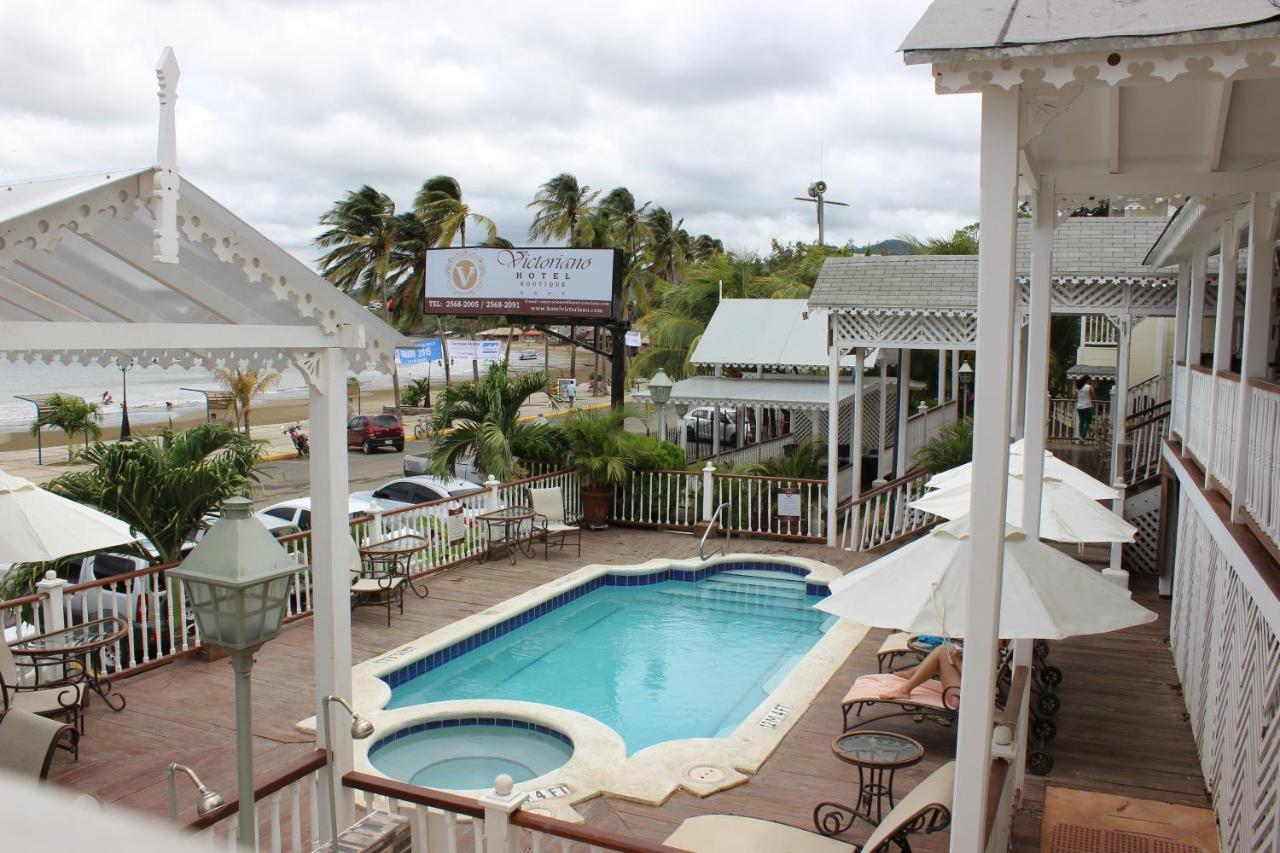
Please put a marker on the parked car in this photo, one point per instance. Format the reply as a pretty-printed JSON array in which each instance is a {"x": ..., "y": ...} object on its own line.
[
  {"x": 697, "y": 424},
  {"x": 294, "y": 515},
  {"x": 372, "y": 432},
  {"x": 464, "y": 467},
  {"x": 529, "y": 356},
  {"x": 407, "y": 491},
  {"x": 143, "y": 601}
]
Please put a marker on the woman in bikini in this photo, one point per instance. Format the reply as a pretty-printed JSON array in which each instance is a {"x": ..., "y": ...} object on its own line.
[{"x": 944, "y": 662}]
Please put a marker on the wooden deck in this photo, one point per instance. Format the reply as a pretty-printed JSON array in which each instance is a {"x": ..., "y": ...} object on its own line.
[{"x": 1121, "y": 729}]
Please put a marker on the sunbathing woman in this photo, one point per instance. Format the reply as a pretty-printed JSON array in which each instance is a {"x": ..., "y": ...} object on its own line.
[{"x": 943, "y": 662}]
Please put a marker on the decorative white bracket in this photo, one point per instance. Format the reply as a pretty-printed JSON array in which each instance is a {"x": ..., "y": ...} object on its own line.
[
  {"x": 164, "y": 194},
  {"x": 309, "y": 363}
]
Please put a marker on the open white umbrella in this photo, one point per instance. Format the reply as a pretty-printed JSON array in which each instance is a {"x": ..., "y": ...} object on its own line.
[
  {"x": 1053, "y": 467},
  {"x": 36, "y": 525},
  {"x": 1066, "y": 514},
  {"x": 921, "y": 588}
]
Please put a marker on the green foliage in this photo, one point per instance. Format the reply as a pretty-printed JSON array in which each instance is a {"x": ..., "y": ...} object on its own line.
[
  {"x": 360, "y": 235},
  {"x": 599, "y": 451},
  {"x": 963, "y": 242},
  {"x": 243, "y": 386},
  {"x": 416, "y": 392},
  {"x": 650, "y": 454},
  {"x": 439, "y": 203},
  {"x": 952, "y": 447},
  {"x": 483, "y": 419},
  {"x": 806, "y": 461},
  {"x": 561, "y": 203},
  {"x": 163, "y": 487},
  {"x": 73, "y": 416}
]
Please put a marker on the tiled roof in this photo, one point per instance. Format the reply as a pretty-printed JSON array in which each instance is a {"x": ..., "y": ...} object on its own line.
[{"x": 1089, "y": 247}]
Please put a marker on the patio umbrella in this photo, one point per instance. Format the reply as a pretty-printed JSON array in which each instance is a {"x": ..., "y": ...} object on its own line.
[
  {"x": 1053, "y": 467},
  {"x": 921, "y": 587},
  {"x": 36, "y": 525},
  {"x": 1066, "y": 514}
]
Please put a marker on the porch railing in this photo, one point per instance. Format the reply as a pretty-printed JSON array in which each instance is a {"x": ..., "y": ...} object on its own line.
[
  {"x": 1097, "y": 330},
  {"x": 285, "y": 806},
  {"x": 882, "y": 516},
  {"x": 1064, "y": 424},
  {"x": 493, "y": 824},
  {"x": 759, "y": 452},
  {"x": 667, "y": 499},
  {"x": 1262, "y": 493},
  {"x": 783, "y": 507},
  {"x": 1199, "y": 417},
  {"x": 1222, "y": 451},
  {"x": 927, "y": 425},
  {"x": 1145, "y": 437}
]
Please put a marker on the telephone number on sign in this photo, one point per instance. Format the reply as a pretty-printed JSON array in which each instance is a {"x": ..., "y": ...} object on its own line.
[{"x": 481, "y": 303}]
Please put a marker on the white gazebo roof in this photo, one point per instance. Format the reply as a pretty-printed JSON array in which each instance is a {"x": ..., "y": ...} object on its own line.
[
  {"x": 767, "y": 332},
  {"x": 768, "y": 391},
  {"x": 80, "y": 281}
]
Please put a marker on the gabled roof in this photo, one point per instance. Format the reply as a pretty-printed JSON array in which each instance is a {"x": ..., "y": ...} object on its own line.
[
  {"x": 768, "y": 332},
  {"x": 789, "y": 393},
  {"x": 81, "y": 251},
  {"x": 1020, "y": 27}
]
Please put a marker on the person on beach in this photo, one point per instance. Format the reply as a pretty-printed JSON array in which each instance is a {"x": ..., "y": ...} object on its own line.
[
  {"x": 944, "y": 662},
  {"x": 106, "y": 398},
  {"x": 1084, "y": 406}
]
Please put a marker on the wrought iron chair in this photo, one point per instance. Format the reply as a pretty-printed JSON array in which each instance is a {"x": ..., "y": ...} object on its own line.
[
  {"x": 27, "y": 742},
  {"x": 554, "y": 518}
]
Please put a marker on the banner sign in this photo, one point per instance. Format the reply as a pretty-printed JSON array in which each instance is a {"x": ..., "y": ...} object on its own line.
[
  {"x": 426, "y": 351},
  {"x": 633, "y": 338},
  {"x": 475, "y": 350},
  {"x": 546, "y": 282}
]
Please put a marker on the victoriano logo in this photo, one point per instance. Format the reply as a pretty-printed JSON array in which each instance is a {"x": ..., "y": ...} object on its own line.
[{"x": 465, "y": 272}]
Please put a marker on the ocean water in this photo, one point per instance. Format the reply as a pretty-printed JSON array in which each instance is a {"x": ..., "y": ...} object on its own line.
[{"x": 671, "y": 660}]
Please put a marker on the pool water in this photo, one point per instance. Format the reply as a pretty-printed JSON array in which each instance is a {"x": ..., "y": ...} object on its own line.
[
  {"x": 468, "y": 754},
  {"x": 673, "y": 659}
]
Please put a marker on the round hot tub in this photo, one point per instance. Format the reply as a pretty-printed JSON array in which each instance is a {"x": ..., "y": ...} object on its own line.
[{"x": 467, "y": 753}]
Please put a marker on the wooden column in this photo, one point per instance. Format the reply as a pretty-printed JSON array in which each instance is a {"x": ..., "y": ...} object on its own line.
[
  {"x": 833, "y": 430},
  {"x": 1258, "y": 299}
]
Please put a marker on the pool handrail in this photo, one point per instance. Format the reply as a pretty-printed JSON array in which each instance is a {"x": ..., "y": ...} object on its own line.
[{"x": 728, "y": 534}]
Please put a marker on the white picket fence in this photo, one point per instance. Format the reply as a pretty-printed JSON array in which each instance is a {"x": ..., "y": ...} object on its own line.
[{"x": 286, "y": 808}]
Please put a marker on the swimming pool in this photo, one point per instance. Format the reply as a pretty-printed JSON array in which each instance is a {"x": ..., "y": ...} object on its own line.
[{"x": 656, "y": 658}]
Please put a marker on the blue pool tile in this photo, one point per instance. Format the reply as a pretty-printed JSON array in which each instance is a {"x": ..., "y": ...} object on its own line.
[{"x": 448, "y": 724}]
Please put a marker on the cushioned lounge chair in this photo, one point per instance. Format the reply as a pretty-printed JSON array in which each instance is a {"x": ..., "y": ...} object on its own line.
[
  {"x": 926, "y": 809},
  {"x": 553, "y": 519},
  {"x": 929, "y": 700},
  {"x": 895, "y": 645},
  {"x": 27, "y": 742},
  {"x": 62, "y": 700}
]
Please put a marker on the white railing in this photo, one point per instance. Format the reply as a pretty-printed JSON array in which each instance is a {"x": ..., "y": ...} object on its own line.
[
  {"x": 1199, "y": 415},
  {"x": 669, "y": 499},
  {"x": 759, "y": 452},
  {"x": 1224, "y": 632},
  {"x": 882, "y": 516},
  {"x": 1096, "y": 330},
  {"x": 788, "y": 507},
  {"x": 1226, "y": 406},
  {"x": 1262, "y": 491},
  {"x": 1064, "y": 423},
  {"x": 285, "y": 807},
  {"x": 1147, "y": 393},
  {"x": 1145, "y": 438},
  {"x": 925, "y": 426}
]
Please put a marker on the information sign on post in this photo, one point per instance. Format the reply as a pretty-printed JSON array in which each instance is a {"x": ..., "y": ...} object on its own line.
[
  {"x": 548, "y": 282},
  {"x": 789, "y": 503}
]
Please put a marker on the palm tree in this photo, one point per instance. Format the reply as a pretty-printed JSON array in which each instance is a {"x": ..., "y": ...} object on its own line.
[
  {"x": 414, "y": 235},
  {"x": 439, "y": 203},
  {"x": 704, "y": 247},
  {"x": 70, "y": 414},
  {"x": 243, "y": 386},
  {"x": 361, "y": 236},
  {"x": 165, "y": 487},
  {"x": 953, "y": 446},
  {"x": 963, "y": 242},
  {"x": 807, "y": 460},
  {"x": 560, "y": 203},
  {"x": 483, "y": 419},
  {"x": 663, "y": 249}
]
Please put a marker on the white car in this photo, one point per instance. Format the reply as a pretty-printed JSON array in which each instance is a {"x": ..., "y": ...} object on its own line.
[
  {"x": 697, "y": 424},
  {"x": 407, "y": 491},
  {"x": 294, "y": 516}
]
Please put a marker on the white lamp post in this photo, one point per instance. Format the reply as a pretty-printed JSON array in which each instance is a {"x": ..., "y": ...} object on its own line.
[
  {"x": 660, "y": 393},
  {"x": 238, "y": 581},
  {"x": 966, "y": 377}
]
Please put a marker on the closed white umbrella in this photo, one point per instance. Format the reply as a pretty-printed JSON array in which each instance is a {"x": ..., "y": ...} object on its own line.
[
  {"x": 1066, "y": 515},
  {"x": 37, "y": 526},
  {"x": 1053, "y": 467},
  {"x": 921, "y": 588}
]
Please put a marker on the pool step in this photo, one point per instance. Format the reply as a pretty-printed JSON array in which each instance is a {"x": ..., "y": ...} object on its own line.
[
  {"x": 727, "y": 592},
  {"x": 801, "y": 615},
  {"x": 762, "y": 575},
  {"x": 790, "y": 590}
]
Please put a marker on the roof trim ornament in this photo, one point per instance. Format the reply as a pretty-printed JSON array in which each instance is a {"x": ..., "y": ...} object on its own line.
[{"x": 165, "y": 180}]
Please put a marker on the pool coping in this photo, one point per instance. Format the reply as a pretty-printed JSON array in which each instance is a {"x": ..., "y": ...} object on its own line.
[{"x": 599, "y": 764}]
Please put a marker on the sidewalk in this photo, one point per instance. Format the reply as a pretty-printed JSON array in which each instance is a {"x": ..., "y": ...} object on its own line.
[{"x": 276, "y": 443}]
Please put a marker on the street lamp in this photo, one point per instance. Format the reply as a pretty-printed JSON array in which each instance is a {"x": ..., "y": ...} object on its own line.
[
  {"x": 966, "y": 377},
  {"x": 660, "y": 392},
  {"x": 238, "y": 580},
  {"x": 125, "y": 432}
]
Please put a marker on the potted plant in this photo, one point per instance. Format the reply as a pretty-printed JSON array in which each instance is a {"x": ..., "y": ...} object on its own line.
[{"x": 600, "y": 457}]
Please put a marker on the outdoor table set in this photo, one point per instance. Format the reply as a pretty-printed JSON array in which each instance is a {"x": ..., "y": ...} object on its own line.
[
  {"x": 509, "y": 521},
  {"x": 69, "y": 651},
  {"x": 393, "y": 557},
  {"x": 877, "y": 755}
]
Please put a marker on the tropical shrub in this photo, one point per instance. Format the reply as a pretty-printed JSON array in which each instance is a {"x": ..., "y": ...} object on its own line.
[
  {"x": 598, "y": 450},
  {"x": 73, "y": 416},
  {"x": 416, "y": 393},
  {"x": 953, "y": 446},
  {"x": 243, "y": 386}
]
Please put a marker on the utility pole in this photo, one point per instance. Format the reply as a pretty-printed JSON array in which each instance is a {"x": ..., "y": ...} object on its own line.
[{"x": 817, "y": 193}]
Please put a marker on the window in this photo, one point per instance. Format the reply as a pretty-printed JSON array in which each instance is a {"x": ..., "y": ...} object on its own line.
[
  {"x": 304, "y": 520},
  {"x": 284, "y": 513},
  {"x": 399, "y": 491},
  {"x": 423, "y": 494},
  {"x": 356, "y": 423},
  {"x": 386, "y": 421}
]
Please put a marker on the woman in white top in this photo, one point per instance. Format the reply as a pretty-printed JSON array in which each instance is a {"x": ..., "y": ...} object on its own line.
[{"x": 1084, "y": 406}]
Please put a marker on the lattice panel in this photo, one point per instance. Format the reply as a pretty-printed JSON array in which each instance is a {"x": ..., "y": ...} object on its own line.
[
  {"x": 908, "y": 331},
  {"x": 1229, "y": 660},
  {"x": 1143, "y": 512}
]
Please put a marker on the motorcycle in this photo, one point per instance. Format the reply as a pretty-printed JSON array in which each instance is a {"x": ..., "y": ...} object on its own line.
[{"x": 300, "y": 441}]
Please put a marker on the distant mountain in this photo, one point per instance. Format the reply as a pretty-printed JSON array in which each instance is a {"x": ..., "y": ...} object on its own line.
[{"x": 892, "y": 246}]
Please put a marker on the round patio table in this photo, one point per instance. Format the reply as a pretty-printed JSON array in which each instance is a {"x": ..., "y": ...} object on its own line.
[
  {"x": 509, "y": 519},
  {"x": 877, "y": 755},
  {"x": 394, "y": 556},
  {"x": 77, "y": 643}
]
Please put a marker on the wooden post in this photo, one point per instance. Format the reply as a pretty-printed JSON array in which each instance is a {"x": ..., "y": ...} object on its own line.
[
  {"x": 1258, "y": 296},
  {"x": 1224, "y": 321},
  {"x": 1195, "y": 328},
  {"x": 1176, "y": 390},
  {"x": 1119, "y": 410},
  {"x": 902, "y": 453},
  {"x": 833, "y": 429}
]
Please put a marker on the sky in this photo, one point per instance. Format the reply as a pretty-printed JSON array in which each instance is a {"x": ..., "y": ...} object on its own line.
[{"x": 720, "y": 111}]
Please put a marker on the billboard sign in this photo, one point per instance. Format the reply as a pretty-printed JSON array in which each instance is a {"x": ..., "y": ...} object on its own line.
[
  {"x": 475, "y": 350},
  {"x": 545, "y": 283},
  {"x": 427, "y": 351}
]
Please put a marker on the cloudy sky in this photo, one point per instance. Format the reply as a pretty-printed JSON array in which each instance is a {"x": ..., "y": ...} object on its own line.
[{"x": 716, "y": 110}]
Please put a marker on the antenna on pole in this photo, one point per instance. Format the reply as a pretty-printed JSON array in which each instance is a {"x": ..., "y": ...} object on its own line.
[
  {"x": 817, "y": 196},
  {"x": 164, "y": 191}
]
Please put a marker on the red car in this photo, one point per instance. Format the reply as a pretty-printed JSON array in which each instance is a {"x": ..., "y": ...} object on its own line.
[{"x": 371, "y": 432}]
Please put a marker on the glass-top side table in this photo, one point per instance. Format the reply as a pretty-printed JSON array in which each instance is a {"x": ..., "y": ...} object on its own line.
[
  {"x": 394, "y": 556},
  {"x": 877, "y": 755},
  {"x": 75, "y": 644},
  {"x": 509, "y": 519}
]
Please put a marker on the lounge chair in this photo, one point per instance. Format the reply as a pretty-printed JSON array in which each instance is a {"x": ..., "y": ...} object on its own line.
[
  {"x": 378, "y": 587},
  {"x": 895, "y": 645},
  {"x": 549, "y": 508},
  {"x": 63, "y": 699},
  {"x": 929, "y": 700},
  {"x": 926, "y": 809},
  {"x": 27, "y": 742}
]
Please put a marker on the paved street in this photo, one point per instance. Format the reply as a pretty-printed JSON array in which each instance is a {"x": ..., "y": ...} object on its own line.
[{"x": 290, "y": 478}]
